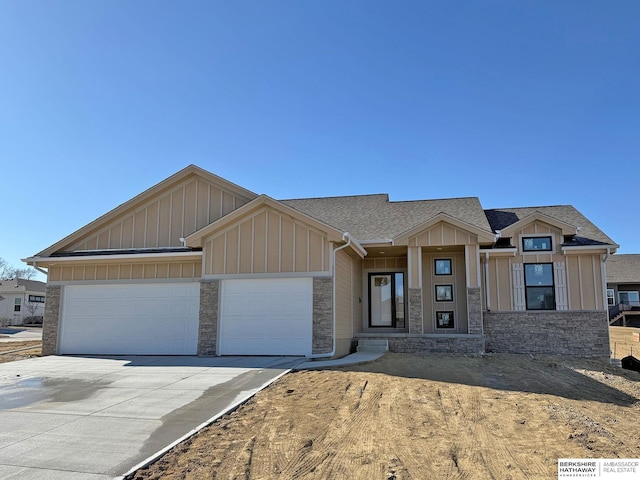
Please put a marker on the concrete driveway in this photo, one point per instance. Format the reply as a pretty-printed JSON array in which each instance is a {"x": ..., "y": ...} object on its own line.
[{"x": 96, "y": 418}]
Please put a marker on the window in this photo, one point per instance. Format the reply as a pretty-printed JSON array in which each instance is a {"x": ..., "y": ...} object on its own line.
[
  {"x": 386, "y": 300},
  {"x": 17, "y": 304},
  {"x": 611, "y": 296},
  {"x": 536, "y": 244},
  {"x": 443, "y": 266},
  {"x": 539, "y": 288},
  {"x": 629, "y": 298},
  {"x": 36, "y": 299},
  {"x": 444, "y": 293},
  {"x": 444, "y": 320}
]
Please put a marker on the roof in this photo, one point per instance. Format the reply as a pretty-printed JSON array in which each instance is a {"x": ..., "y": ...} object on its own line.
[
  {"x": 588, "y": 233},
  {"x": 623, "y": 268},
  {"x": 374, "y": 217},
  {"x": 29, "y": 285}
]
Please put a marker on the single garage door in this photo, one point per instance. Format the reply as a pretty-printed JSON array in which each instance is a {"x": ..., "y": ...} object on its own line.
[
  {"x": 266, "y": 317},
  {"x": 134, "y": 319}
]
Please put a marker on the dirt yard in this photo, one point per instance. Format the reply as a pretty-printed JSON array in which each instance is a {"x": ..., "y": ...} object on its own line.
[
  {"x": 5, "y": 347},
  {"x": 621, "y": 339},
  {"x": 421, "y": 417}
]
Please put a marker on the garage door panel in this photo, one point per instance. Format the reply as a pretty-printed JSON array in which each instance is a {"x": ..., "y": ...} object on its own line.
[
  {"x": 266, "y": 317},
  {"x": 151, "y": 319}
]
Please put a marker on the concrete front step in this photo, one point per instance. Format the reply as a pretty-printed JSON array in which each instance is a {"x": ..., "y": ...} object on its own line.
[{"x": 373, "y": 345}]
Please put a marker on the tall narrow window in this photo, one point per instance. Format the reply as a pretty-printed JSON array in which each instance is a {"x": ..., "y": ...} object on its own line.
[
  {"x": 386, "y": 300},
  {"x": 539, "y": 287},
  {"x": 17, "y": 304},
  {"x": 611, "y": 296}
]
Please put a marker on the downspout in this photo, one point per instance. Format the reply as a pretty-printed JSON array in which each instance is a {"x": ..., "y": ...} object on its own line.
[
  {"x": 347, "y": 237},
  {"x": 35, "y": 265},
  {"x": 603, "y": 274}
]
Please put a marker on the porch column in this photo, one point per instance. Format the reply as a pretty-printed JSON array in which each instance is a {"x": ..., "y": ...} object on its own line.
[
  {"x": 414, "y": 297},
  {"x": 474, "y": 296}
]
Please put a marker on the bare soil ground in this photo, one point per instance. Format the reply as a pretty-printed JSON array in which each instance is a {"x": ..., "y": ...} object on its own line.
[
  {"x": 621, "y": 339},
  {"x": 421, "y": 417},
  {"x": 34, "y": 351}
]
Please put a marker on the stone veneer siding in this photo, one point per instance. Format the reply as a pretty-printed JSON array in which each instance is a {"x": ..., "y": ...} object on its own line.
[
  {"x": 575, "y": 333},
  {"x": 51, "y": 322},
  {"x": 474, "y": 310},
  {"x": 208, "y": 325},
  {"x": 431, "y": 343},
  {"x": 322, "y": 315},
  {"x": 415, "y": 310}
]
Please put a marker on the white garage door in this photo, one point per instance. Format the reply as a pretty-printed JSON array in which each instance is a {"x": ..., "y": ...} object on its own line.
[
  {"x": 266, "y": 317},
  {"x": 142, "y": 319}
]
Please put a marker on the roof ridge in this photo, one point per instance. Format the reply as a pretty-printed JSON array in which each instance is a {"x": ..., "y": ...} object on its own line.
[
  {"x": 337, "y": 196},
  {"x": 528, "y": 208}
]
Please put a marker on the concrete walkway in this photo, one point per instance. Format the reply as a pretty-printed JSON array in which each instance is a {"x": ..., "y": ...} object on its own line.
[
  {"x": 354, "y": 358},
  {"x": 97, "y": 418}
]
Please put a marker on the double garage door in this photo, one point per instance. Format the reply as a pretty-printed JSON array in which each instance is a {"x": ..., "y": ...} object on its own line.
[{"x": 257, "y": 317}]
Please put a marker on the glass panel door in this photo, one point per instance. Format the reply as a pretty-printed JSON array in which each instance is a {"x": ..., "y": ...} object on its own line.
[
  {"x": 386, "y": 300},
  {"x": 381, "y": 300}
]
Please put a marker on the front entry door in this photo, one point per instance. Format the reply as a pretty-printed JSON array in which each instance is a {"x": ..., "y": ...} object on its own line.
[{"x": 386, "y": 300}]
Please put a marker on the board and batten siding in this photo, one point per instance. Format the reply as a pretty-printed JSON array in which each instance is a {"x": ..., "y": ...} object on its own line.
[
  {"x": 167, "y": 217},
  {"x": 127, "y": 271},
  {"x": 348, "y": 305},
  {"x": 266, "y": 241},
  {"x": 457, "y": 280},
  {"x": 577, "y": 276}
]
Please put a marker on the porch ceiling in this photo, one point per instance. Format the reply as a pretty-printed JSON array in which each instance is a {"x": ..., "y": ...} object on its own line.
[{"x": 386, "y": 251}]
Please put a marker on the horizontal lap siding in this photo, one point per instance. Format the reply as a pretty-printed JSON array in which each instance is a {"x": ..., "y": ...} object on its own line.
[
  {"x": 266, "y": 242},
  {"x": 347, "y": 293},
  {"x": 166, "y": 218}
]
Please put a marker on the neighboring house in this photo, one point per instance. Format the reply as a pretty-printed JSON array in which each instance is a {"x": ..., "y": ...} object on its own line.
[
  {"x": 21, "y": 301},
  {"x": 199, "y": 265},
  {"x": 623, "y": 289}
]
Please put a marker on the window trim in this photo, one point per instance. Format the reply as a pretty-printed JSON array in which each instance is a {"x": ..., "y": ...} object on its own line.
[
  {"x": 524, "y": 238},
  {"x": 448, "y": 287},
  {"x": 611, "y": 299},
  {"x": 439, "y": 314},
  {"x": 435, "y": 266},
  {"x": 17, "y": 305},
  {"x": 552, "y": 286}
]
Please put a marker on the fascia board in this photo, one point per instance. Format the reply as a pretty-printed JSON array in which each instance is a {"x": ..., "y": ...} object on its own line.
[{"x": 135, "y": 257}]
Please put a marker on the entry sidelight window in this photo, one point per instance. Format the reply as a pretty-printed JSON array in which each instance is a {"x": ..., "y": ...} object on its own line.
[
  {"x": 540, "y": 291},
  {"x": 386, "y": 300}
]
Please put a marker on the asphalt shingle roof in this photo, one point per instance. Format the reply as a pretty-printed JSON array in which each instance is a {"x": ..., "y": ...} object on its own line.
[
  {"x": 623, "y": 268},
  {"x": 589, "y": 234},
  {"x": 374, "y": 217}
]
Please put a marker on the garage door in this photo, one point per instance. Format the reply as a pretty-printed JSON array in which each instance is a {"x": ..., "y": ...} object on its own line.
[
  {"x": 143, "y": 319},
  {"x": 266, "y": 317}
]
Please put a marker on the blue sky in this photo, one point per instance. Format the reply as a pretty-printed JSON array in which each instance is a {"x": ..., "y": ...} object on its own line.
[{"x": 520, "y": 103}]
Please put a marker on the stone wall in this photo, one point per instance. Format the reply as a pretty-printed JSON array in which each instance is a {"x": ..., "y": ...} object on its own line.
[
  {"x": 415, "y": 310},
  {"x": 432, "y": 343},
  {"x": 322, "y": 315},
  {"x": 51, "y": 321},
  {"x": 208, "y": 326},
  {"x": 474, "y": 310},
  {"x": 575, "y": 333}
]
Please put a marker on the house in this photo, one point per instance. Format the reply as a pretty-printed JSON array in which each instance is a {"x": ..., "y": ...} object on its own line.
[
  {"x": 623, "y": 289},
  {"x": 21, "y": 301},
  {"x": 199, "y": 265}
]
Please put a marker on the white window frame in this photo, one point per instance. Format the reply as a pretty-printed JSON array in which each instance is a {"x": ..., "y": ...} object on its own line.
[{"x": 611, "y": 296}]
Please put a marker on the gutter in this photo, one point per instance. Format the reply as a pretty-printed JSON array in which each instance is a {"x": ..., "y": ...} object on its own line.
[{"x": 350, "y": 242}]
